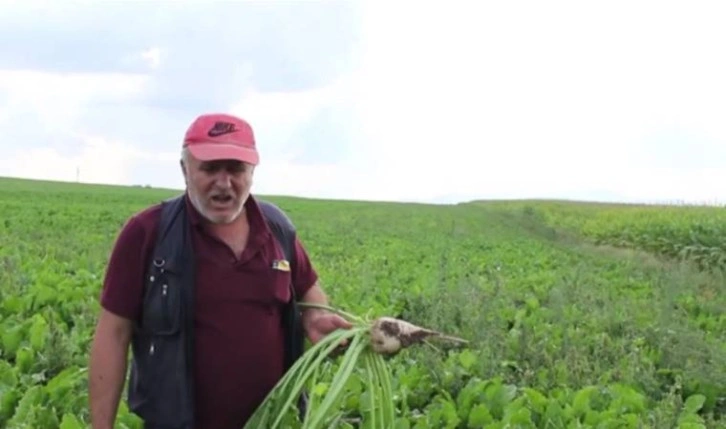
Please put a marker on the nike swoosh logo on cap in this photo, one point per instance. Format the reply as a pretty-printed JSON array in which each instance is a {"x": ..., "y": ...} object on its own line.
[{"x": 221, "y": 128}]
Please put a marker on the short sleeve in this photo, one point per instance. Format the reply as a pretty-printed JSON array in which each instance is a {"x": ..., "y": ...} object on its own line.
[
  {"x": 304, "y": 276},
  {"x": 123, "y": 282}
]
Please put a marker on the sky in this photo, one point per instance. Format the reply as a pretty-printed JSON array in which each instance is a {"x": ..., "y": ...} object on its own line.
[{"x": 441, "y": 102}]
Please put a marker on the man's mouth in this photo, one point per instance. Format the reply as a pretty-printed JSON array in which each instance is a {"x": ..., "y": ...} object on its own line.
[{"x": 222, "y": 199}]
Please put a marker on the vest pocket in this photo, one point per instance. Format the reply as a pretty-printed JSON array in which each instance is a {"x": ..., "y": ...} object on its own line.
[
  {"x": 162, "y": 304},
  {"x": 157, "y": 392}
]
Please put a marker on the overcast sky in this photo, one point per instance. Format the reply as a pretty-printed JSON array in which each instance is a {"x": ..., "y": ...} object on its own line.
[{"x": 446, "y": 101}]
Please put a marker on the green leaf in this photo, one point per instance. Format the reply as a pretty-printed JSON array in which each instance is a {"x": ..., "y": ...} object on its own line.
[
  {"x": 12, "y": 338},
  {"x": 479, "y": 416},
  {"x": 8, "y": 401},
  {"x": 517, "y": 414},
  {"x": 8, "y": 376},
  {"x": 26, "y": 409},
  {"x": 24, "y": 359},
  {"x": 498, "y": 397},
  {"x": 402, "y": 423},
  {"x": 63, "y": 384},
  {"x": 320, "y": 389},
  {"x": 694, "y": 403},
  {"x": 690, "y": 425},
  {"x": 472, "y": 393},
  {"x": 581, "y": 402},
  {"x": 554, "y": 416},
  {"x": 39, "y": 332},
  {"x": 536, "y": 399},
  {"x": 467, "y": 359}
]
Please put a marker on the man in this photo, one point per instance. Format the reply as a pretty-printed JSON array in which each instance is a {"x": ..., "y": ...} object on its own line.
[{"x": 238, "y": 292}]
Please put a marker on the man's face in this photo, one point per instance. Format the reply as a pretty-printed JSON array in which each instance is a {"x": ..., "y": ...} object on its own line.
[{"x": 218, "y": 189}]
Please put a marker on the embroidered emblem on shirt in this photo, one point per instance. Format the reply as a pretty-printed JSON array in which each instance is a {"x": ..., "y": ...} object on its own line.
[{"x": 281, "y": 265}]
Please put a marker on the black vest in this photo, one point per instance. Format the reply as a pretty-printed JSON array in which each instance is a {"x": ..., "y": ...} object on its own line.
[{"x": 161, "y": 388}]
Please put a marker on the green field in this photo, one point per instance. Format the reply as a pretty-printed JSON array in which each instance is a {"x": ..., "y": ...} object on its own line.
[{"x": 579, "y": 315}]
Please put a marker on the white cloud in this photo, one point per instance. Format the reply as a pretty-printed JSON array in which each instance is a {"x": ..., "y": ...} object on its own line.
[
  {"x": 98, "y": 161},
  {"x": 525, "y": 101},
  {"x": 56, "y": 99},
  {"x": 277, "y": 116},
  {"x": 507, "y": 99},
  {"x": 153, "y": 57},
  {"x": 53, "y": 103},
  {"x": 73, "y": 87}
]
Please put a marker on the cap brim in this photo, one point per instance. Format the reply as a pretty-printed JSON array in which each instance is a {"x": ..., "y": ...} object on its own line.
[{"x": 217, "y": 151}]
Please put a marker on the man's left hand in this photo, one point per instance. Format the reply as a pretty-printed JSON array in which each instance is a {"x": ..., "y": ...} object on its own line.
[{"x": 319, "y": 323}]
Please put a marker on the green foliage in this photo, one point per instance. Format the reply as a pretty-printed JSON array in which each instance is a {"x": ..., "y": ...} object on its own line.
[
  {"x": 695, "y": 234},
  {"x": 563, "y": 335}
]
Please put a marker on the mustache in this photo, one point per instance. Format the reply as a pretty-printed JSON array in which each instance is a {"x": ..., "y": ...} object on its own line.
[{"x": 226, "y": 197}]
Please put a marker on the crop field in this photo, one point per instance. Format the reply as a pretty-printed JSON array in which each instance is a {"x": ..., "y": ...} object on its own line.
[
  {"x": 693, "y": 233},
  {"x": 578, "y": 315}
]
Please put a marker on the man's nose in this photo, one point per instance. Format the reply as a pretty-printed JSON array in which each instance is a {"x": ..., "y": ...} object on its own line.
[{"x": 224, "y": 180}]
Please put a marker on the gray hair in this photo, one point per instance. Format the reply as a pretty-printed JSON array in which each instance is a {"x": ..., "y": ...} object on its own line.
[{"x": 185, "y": 154}]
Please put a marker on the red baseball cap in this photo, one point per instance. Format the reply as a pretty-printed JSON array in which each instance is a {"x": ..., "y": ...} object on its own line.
[{"x": 216, "y": 136}]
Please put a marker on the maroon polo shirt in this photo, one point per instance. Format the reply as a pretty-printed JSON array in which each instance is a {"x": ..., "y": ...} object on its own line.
[{"x": 238, "y": 329}]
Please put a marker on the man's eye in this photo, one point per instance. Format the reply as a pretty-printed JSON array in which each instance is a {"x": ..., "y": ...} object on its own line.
[
  {"x": 210, "y": 168},
  {"x": 230, "y": 167}
]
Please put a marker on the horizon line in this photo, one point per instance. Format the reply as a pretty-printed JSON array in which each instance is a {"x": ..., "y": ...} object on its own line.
[{"x": 675, "y": 202}]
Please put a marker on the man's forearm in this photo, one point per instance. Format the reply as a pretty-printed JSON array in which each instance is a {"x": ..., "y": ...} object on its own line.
[
  {"x": 315, "y": 295},
  {"x": 319, "y": 322},
  {"x": 106, "y": 380}
]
